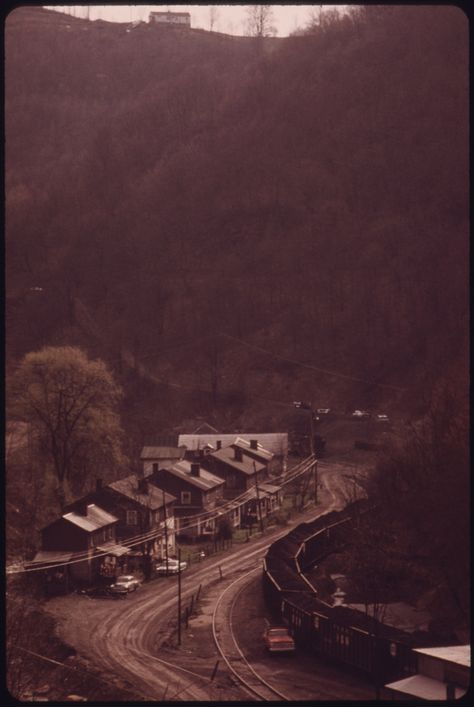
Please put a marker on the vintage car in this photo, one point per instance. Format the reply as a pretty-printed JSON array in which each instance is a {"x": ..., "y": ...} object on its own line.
[
  {"x": 126, "y": 582},
  {"x": 277, "y": 639},
  {"x": 171, "y": 568}
]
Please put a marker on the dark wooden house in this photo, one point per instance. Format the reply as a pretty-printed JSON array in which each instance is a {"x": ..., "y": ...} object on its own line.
[
  {"x": 197, "y": 491},
  {"x": 83, "y": 543}
]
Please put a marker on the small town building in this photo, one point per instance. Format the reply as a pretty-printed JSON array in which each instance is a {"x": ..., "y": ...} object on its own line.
[
  {"x": 275, "y": 443},
  {"x": 140, "y": 508},
  {"x": 253, "y": 449},
  {"x": 84, "y": 541},
  {"x": 160, "y": 457},
  {"x": 198, "y": 492},
  {"x": 239, "y": 471},
  {"x": 443, "y": 674},
  {"x": 173, "y": 19}
]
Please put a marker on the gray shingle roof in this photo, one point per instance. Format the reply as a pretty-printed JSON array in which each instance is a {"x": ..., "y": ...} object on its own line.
[
  {"x": 274, "y": 442},
  {"x": 129, "y": 487},
  {"x": 260, "y": 451},
  {"x": 205, "y": 480},
  {"x": 96, "y": 518},
  {"x": 247, "y": 465}
]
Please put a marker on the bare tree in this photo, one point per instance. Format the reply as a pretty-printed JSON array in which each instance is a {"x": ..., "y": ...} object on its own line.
[
  {"x": 260, "y": 21},
  {"x": 213, "y": 16}
]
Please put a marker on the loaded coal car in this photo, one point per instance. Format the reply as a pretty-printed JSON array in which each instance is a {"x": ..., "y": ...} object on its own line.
[{"x": 337, "y": 632}]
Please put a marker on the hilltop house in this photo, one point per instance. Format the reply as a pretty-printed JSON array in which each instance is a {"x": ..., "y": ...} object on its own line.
[
  {"x": 173, "y": 19},
  {"x": 197, "y": 492},
  {"x": 89, "y": 532}
]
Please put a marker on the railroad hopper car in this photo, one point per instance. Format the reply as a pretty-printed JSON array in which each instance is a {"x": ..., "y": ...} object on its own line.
[{"x": 338, "y": 632}]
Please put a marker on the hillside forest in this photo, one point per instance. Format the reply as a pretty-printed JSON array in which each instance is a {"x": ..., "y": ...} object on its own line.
[
  {"x": 234, "y": 223},
  {"x": 176, "y": 194}
]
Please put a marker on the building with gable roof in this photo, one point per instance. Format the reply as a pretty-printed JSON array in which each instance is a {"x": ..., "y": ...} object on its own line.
[
  {"x": 198, "y": 492},
  {"x": 170, "y": 19},
  {"x": 275, "y": 443},
  {"x": 88, "y": 530},
  {"x": 140, "y": 507},
  {"x": 160, "y": 457}
]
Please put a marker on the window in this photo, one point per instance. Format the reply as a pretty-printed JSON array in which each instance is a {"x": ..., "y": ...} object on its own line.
[
  {"x": 185, "y": 497},
  {"x": 110, "y": 532},
  {"x": 155, "y": 466},
  {"x": 132, "y": 518}
]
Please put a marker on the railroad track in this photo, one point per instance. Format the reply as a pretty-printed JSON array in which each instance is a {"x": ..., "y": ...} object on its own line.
[{"x": 226, "y": 642}]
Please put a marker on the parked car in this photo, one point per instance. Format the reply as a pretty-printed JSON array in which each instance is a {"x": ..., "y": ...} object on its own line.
[
  {"x": 382, "y": 418},
  {"x": 277, "y": 639},
  {"x": 323, "y": 411},
  {"x": 172, "y": 568},
  {"x": 125, "y": 581},
  {"x": 359, "y": 414}
]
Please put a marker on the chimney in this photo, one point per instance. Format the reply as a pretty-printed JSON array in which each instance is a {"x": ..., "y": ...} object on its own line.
[
  {"x": 81, "y": 508},
  {"x": 219, "y": 444},
  {"x": 142, "y": 486},
  {"x": 254, "y": 444},
  {"x": 195, "y": 469},
  {"x": 98, "y": 484},
  {"x": 238, "y": 454}
]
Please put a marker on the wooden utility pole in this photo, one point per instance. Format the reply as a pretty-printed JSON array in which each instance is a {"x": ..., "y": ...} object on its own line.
[
  {"x": 166, "y": 532},
  {"x": 179, "y": 596},
  {"x": 259, "y": 510}
]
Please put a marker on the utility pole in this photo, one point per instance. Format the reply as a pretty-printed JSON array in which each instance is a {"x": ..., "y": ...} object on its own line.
[
  {"x": 179, "y": 596},
  {"x": 258, "y": 498},
  {"x": 309, "y": 408},
  {"x": 166, "y": 532}
]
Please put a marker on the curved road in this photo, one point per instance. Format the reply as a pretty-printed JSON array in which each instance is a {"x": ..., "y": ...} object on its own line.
[{"x": 125, "y": 637}]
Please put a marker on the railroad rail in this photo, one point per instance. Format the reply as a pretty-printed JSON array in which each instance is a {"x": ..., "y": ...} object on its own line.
[{"x": 225, "y": 640}]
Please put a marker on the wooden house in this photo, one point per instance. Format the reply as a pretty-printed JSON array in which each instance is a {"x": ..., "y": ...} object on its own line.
[
  {"x": 197, "y": 492},
  {"x": 140, "y": 508},
  {"x": 87, "y": 534}
]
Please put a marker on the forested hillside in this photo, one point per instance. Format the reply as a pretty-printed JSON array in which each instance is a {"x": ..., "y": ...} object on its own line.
[{"x": 168, "y": 190}]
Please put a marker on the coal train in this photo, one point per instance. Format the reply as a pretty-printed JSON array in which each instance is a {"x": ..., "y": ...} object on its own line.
[{"x": 337, "y": 632}]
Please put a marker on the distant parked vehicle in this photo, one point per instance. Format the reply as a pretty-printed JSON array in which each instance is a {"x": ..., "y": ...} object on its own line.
[
  {"x": 173, "y": 567},
  {"x": 105, "y": 591},
  {"x": 382, "y": 418},
  {"x": 359, "y": 414},
  {"x": 127, "y": 582},
  {"x": 278, "y": 640},
  {"x": 323, "y": 411}
]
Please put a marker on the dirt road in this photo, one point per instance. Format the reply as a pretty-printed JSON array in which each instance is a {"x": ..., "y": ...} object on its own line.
[{"x": 131, "y": 639}]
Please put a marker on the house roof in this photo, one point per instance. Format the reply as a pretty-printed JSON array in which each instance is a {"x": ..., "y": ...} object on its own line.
[
  {"x": 170, "y": 13},
  {"x": 112, "y": 548},
  {"x": 205, "y": 480},
  {"x": 159, "y": 452},
  {"x": 47, "y": 556},
  {"x": 423, "y": 687},
  {"x": 260, "y": 451},
  {"x": 205, "y": 428},
  {"x": 96, "y": 518},
  {"x": 449, "y": 654},
  {"x": 274, "y": 442},
  {"x": 129, "y": 487},
  {"x": 247, "y": 465},
  {"x": 269, "y": 489}
]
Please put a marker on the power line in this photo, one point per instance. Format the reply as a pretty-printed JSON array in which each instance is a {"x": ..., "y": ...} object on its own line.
[{"x": 231, "y": 504}]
